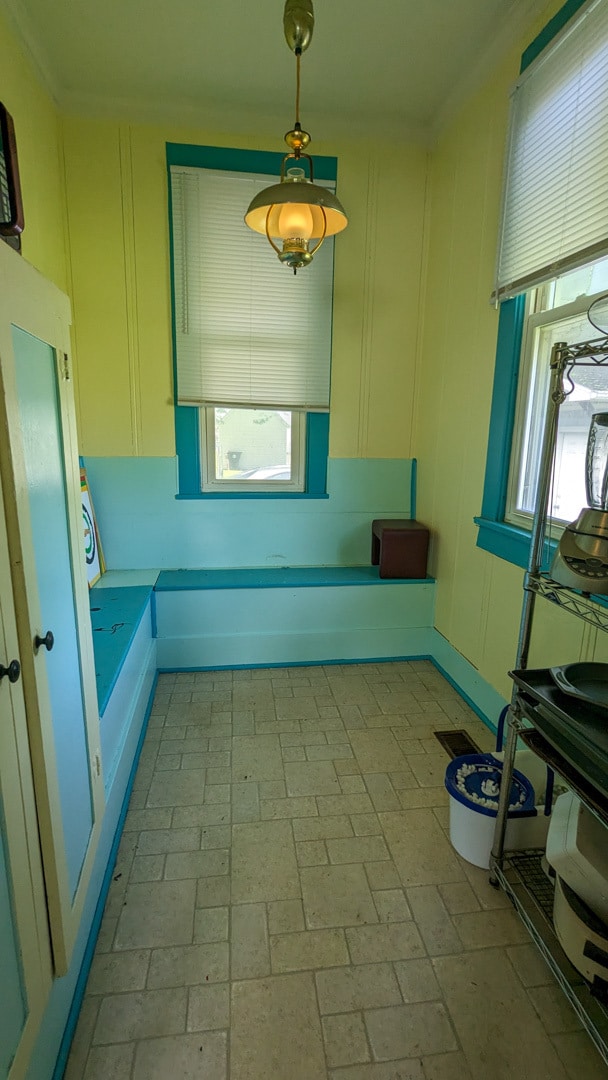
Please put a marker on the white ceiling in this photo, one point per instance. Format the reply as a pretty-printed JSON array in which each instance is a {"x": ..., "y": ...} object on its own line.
[{"x": 380, "y": 67}]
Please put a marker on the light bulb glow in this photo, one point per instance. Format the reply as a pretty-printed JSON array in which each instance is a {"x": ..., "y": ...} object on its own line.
[{"x": 295, "y": 220}]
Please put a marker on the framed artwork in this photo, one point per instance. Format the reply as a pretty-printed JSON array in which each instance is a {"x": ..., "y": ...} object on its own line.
[
  {"x": 92, "y": 547},
  {"x": 11, "y": 207}
]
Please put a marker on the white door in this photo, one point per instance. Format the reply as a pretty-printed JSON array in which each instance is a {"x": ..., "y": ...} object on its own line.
[
  {"x": 39, "y": 465},
  {"x": 25, "y": 954}
]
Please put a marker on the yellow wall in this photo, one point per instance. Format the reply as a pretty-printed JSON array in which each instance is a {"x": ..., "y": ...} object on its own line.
[
  {"x": 38, "y": 150},
  {"x": 117, "y": 217},
  {"x": 478, "y": 595}
]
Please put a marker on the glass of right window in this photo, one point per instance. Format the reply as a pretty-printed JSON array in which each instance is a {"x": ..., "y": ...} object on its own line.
[{"x": 556, "y": 311}]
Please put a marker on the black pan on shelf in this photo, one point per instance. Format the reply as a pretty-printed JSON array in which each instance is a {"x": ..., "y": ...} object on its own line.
[{"x": 587, "y": 682}]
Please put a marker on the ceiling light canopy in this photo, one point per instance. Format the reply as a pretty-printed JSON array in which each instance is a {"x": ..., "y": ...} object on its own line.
[{"x": 295, "y": 213}]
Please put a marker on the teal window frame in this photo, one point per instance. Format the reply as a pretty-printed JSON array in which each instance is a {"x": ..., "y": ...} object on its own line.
[
  {"x": 494, "y": 534},
  {"x": 187, "y": 418}
]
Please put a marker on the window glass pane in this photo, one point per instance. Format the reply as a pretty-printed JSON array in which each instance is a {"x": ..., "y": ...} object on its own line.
[
  {"x": 586, "y": 281},
  {"x": 253, "y": 444},
  {"x": 587, "y": 393}
]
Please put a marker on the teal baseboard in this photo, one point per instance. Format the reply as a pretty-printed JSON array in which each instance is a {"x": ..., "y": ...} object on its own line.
[{"x": 485, "y": 701}]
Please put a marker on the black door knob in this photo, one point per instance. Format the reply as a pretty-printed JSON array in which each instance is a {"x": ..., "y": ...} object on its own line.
[
  {"x": 13, "y": 671},
  {"x": 48, "y": 641}
]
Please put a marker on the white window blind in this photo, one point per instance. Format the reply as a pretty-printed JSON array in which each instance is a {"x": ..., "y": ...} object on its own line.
[
  {"x": 555, "y": 197},
  {"x": 249, "y": 332}
]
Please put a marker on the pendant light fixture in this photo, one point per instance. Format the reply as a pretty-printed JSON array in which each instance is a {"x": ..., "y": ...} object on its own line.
[{"x": 295, "y": 213}]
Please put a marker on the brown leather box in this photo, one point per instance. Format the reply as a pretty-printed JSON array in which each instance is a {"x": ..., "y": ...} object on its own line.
[{"x": 399, "y": 548}]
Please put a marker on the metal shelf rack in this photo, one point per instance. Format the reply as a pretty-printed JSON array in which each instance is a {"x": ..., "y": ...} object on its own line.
[{"x": 519, "y": 874}]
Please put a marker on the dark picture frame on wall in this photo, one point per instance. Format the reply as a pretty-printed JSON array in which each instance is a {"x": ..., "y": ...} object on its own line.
[{"x": 11, "y": 207}]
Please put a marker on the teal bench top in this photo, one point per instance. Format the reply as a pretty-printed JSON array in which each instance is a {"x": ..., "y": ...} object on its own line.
[
  {"x": 277, "y": 577},
  {"x": 115, "y": 617}
]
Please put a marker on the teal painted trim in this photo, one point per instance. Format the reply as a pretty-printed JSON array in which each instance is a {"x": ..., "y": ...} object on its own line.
[
  {"x": 317, "y": 453},
  {"x": 413, "y": 488},
  {"x": 502, "y": 415},
  {"x": 466, "y": 697},
  {"x": 279, "y": 577},
  {"x": 188, "y": 449},
  {"x": 505, "y": 541},
  {"x": 153, "y": 619},
  {"x": 115, "y": 617},
  {"x": 267, "y": 162},
  {"x": 299, "y": 664},
  {"x": 550, "y": 31},
  {"x": 89, "y": 952}
]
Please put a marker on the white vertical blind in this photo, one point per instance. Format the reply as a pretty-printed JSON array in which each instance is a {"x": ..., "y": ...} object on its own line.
[
  {"x": 249, "y": 332},
  {"x": 555, "y": 197}
]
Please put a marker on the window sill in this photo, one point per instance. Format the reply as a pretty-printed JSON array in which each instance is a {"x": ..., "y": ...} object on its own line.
[
  {"x": 253, "y": 495},
  {"x": 508, "y": 542}
]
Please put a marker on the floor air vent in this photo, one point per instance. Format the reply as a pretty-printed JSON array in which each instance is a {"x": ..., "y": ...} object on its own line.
[{"x": 457, "y": 743}]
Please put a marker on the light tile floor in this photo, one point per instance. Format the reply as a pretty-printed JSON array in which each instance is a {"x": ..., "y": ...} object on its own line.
[{"x": 286, "y": 904}]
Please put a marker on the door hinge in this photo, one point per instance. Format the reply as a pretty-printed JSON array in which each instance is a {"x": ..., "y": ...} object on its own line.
[{"x": 66, "y": 367}]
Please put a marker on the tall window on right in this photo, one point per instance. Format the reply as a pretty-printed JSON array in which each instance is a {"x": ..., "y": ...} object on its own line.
[{"x": 552, "y": 263}]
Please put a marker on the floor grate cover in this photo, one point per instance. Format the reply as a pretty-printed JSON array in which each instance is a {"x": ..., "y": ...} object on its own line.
[
  {"x": 529, "y": 867},
  {"x": 457, "y": 743}
]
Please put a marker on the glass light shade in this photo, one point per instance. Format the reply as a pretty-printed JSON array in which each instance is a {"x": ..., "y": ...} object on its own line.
[
  {"x": 295, "y": 220},
  {"x": 301, "y": 193}
]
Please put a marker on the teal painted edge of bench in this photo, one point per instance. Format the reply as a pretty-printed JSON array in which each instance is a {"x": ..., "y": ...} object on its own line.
[
  {"x": 278, "y": 577},
  {"x": 115, "y": 617}
]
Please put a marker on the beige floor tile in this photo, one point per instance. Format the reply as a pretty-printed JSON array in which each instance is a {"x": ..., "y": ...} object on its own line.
[
  {"x": 352, "y": 785},
  {"x": 218, "y": 776},
  {"x": 215, "y": 836},
  {"x": 209, "y": 1007},
  {"x": 256, "y": 757},
  {"x": 272, "y": 789},
  {"x": 213, "y": 892},
  {"x": 293, "y": 753},
  {"x": 183, "y": 788},
  {"x": 275, "y": 809},
  {"x": 245, "y": 802},
  {"x": 285, "y": 917},
  {"x": 322, "y": 828},
  {"x": 188, "y": 965},
  {"x": 336, "y": 896},
  {"x": 125, "y": 1017},
  {"x": 311, "y": 853},
  {"x": 480, "y": 929},
  {"x": 381, "y": 791},
  {"x": 155, "y": 914},
  {"x": 388, "y": 941},
  {"x": 446, "y": 1067},
  {"x": 433, "y": 921},
  {"x": 184, "y": 816},
  {"x": 188, "y": 1057},
  {"x": 393, "y": 1070},
  {"x": 250, "y": 956},
  {"x": 113, "y": 972},
  {"x": 357, "y": 849},
  {"x": 147, "y": 868},
  {"x": 417, "y": 980},
  {"x": 530, "y": 966},
  {"x": 159, "y": 818},
  {"x": 421, "y": 852},
  {"x": 459, "y": 898},
  {"x": 309, "y": 950},
  {"x": 366, "y": 824},
  {"x": 161, "y": 841},
  {"x": 377, "y": 751},
  {"x": 210, "y": 924},
  {"x": 82, "y": 1038},
  {"x": 488, "y": 1005},
  {"x": 217, "y": 793},
  {"x": 276, "y": 1020},
  {"x": 310, "y": 738},
  {"x": 489, "y": 898},
  {"x": 579, "y": 1057},
  {"x": 414, "y": 798},
  {"x": 364, "y": 986},
  {"x": 109, "y": 1062},
  {"x": 406, "y": 1031},
  {"x": 345, "y": 1039},
  {"x": 347, "y": 767},
  {"x": 196, "y": 864},
  {"x": 382, "y": 875},
  {"x": 391, "y": 905},
  {"x": 264, "y": 862},
  {"x": 555, "y": 1012},
  {"x": 334, "y": 752},
  {"x": 311, "y": 778},
  {"x": 336, "y": 805}
]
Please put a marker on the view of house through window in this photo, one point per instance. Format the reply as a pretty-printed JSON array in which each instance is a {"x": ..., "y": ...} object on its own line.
[
  {"x": 257, "y": 448},
  {"x": 557, "y": 311}
]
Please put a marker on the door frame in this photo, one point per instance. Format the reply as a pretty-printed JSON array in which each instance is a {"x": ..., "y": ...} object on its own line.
[{"x": 30, "y": 302}]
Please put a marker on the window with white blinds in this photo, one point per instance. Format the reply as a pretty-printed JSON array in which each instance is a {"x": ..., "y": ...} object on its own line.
[
  {"x": 248, "y": 331},
  {"x": 555, "y": 197}
]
